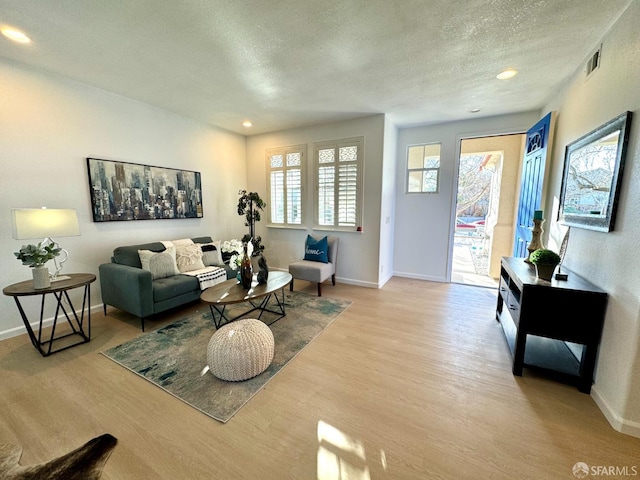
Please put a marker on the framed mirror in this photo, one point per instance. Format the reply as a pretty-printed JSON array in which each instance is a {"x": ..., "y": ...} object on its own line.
[{"x": 593, "y": 167}]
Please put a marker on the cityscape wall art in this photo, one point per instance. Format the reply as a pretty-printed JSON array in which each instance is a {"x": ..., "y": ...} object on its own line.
[{"x": 130, "y": 191}]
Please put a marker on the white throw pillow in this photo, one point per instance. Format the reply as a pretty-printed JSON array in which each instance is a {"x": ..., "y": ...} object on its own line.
[
  {"x": 160, "y": 264},
  {"x": 189, "y": 257},
  {"x": 181, "y": 241},
  {"x": 212, "y": 253}
]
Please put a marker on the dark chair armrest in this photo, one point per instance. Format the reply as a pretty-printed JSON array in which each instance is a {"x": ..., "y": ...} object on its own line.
[{"x": 127, "y": 288}]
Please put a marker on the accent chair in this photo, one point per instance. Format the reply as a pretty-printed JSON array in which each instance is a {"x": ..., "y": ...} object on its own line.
[{"x": 316, "y": 271}]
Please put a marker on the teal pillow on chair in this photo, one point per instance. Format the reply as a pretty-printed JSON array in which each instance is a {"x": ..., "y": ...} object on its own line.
[{"x": 316, "y": 250}]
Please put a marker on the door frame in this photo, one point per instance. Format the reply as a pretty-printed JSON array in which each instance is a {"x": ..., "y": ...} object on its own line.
[{"x": 454, "y": 187}]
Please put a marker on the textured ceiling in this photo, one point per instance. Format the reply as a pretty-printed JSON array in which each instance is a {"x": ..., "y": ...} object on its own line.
[{"x": 290, "y": 63}]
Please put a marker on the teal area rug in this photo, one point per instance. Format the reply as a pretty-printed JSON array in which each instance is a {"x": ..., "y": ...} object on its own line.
[{"x": 172, "y": 357}]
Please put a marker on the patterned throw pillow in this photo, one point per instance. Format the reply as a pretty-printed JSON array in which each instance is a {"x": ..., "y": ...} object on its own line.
[
  {"x": 316, "y": 250},
  {"x": 189, "y": 257},
  {"x": 160, "y": 264},
  {"x": 211, "y": 253}
]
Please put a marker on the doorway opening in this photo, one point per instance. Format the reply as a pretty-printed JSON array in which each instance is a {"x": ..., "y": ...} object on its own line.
[{"x": 486, "y": 202}]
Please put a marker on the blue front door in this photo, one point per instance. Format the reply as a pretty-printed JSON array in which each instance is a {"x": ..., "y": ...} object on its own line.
[{"x": 533, "y": 166}]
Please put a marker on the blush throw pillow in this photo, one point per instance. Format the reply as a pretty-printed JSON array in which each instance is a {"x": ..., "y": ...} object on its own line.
[
  {"x": 316, "y": 250},
  {"x": 160, "y": 264}
]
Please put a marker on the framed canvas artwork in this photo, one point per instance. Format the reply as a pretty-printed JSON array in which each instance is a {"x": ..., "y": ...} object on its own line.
[
  {"x": 123, "y": 191},
  {"x": 592, "y": 176}
]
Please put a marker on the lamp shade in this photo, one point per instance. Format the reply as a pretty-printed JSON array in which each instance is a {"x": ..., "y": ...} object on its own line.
[{"x": 44, "y": 222}]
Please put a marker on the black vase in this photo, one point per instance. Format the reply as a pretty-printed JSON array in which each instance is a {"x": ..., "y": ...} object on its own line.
[
  {"x": 263, "y": 272},
  {"x": 246, "y": 272}
]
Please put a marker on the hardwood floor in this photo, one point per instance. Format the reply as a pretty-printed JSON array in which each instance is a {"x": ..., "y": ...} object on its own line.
[{"x": 412, "y": 381}]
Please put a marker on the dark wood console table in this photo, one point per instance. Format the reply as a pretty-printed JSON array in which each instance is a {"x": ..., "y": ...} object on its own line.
[{"x": 541, "y": 316}]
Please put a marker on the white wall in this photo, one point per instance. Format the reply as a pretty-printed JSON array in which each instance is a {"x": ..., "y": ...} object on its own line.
[
  {"x": 358, "y": 254},
  {"x": 422, "y": 244},
  {"x": 387, "y": 202},
  {"x": 49, "y": 125},
  {"x": 609, "y": 260}
]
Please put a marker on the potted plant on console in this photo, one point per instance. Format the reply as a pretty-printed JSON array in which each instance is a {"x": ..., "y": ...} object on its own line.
[
  {"x": 35, "y": 256},
  {"x": 546, "y": 262}
]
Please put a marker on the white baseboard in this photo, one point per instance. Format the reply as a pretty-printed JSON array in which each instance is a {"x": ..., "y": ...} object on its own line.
[
  {"x": 420, "y": 277},
  {"x": 47, "y": 322},
  {"x": 16, "y": 331},
  {"x": 385, "y": 279},
  {"x": 348, "y": 281},
  {"x": 618, "y": 423},
  {"x": 357, "y": 283}
]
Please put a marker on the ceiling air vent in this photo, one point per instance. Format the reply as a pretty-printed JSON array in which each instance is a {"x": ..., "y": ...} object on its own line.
[{"x": 594, "y": 61}]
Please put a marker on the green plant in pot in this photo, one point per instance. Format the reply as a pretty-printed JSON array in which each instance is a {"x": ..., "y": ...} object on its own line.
[
  {"x": 545, "y": 261},
  {"x": 249, "y": 205},
  {"x": 35, "y": 256}
]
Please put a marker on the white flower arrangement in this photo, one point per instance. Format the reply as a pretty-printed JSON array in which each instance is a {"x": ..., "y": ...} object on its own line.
[{"x": 236, "y": 247}]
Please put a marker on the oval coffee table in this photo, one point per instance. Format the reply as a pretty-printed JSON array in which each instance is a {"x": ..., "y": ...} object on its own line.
[{"x": 258, "y": 296}]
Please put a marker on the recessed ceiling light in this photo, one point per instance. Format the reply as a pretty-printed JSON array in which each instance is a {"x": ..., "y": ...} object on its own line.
[
  {"x": 15, "y": 35},
  {"x": 247, "y": 124},
  {"x": 507, "y": 74},
  {"x": 474, "y": 110}
]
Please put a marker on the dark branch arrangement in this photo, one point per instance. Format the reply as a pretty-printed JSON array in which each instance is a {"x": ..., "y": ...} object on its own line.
[{"x": 249, "y": 205}]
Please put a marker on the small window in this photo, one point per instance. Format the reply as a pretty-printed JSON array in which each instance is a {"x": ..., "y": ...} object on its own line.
[
  {"x": 285, "y": 173},
  {"x": 423, "y": 168}
]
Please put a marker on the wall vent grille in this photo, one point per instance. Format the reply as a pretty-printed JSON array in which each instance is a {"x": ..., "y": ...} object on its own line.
[{"x": 594, "y": 61}]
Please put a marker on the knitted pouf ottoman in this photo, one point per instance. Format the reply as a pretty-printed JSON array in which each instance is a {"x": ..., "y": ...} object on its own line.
[{"x": 240, "y": 350}]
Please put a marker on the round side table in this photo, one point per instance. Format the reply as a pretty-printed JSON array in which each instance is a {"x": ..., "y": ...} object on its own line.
[{"x": 59, "y": 289}]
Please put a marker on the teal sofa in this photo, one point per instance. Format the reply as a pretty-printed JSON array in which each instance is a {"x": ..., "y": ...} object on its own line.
[{"x": 126, "y": 286}]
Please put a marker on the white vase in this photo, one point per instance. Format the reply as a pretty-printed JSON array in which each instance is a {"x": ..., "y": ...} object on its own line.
[
  {"x": 41, "y": 277},
  {"x": 254, "y": 263},
  {"x": 545, "y": 271}
]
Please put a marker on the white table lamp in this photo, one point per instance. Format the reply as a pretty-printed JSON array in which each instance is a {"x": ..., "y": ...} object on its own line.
[{"x": 46, "y": 222}]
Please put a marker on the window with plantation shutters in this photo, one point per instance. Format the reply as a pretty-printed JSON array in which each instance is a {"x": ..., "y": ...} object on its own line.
[
  {"x": 338, "y": 168},
  {"x": 285, "y": 170}
]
